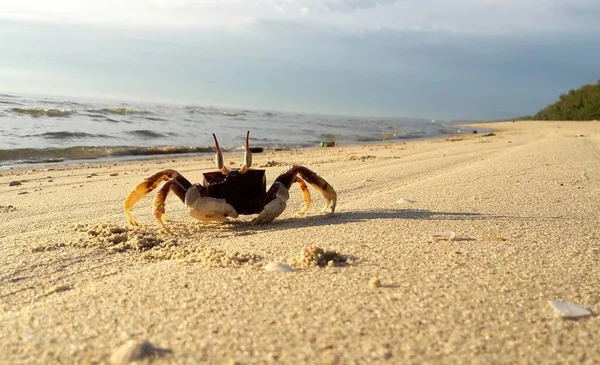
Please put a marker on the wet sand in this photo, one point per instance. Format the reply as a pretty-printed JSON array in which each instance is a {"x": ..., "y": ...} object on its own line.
[{"x": 76, "y": 282}]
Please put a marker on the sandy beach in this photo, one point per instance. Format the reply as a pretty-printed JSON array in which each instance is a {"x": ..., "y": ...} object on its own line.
[{"x": 77, "y": 283}]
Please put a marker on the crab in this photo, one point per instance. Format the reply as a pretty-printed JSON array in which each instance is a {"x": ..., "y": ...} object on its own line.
[{"x": 227, "y": 193}]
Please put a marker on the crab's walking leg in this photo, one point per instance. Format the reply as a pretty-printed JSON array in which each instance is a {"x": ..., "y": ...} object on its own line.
[
  {"x": 149, "y": 184},
  {"x": 159, "y": 202},
  {"x": 289, "y": 176},
  {"x": 305, "y": 195},
  {"x": 278, "y": 193}
]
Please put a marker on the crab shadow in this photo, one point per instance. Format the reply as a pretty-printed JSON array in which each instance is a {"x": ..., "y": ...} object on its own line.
[{"x": 345, "y": 217}]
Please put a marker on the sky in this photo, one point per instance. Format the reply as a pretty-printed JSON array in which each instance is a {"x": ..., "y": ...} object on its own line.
[{"x": 442, "y": 59}]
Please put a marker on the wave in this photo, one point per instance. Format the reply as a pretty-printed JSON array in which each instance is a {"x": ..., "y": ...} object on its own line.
[
  {"x": 148, "y": 134},
  {"x": 42, "y": 112},
  {"x": 47, "y": 155},
  {"x": 119, "y": 111},
  {"x": 64, "y": 135}
]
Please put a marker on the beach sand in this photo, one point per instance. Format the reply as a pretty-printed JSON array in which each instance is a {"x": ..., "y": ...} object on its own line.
[{"x": 76, "y": 283}]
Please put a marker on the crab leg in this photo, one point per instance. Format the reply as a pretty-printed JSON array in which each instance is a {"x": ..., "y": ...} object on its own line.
[
  {"x": 159, "y": 202},
  {"x": 219, "y": 158},
  {"x": 288, "y": 177},
  {"x": 150, "y": 183},
  {"x": 278, "y": 193},
  {"x": 305, "y": 195}
]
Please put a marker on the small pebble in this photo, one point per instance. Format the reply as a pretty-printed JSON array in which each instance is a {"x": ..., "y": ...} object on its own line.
[
  {"x": 278, "y": 267},
  {"x": 14, "y": 183},
  {"x": 114, "y": 174}
]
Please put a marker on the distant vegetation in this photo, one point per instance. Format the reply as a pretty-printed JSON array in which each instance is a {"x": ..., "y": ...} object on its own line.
[{"x": 580, "y": 104}]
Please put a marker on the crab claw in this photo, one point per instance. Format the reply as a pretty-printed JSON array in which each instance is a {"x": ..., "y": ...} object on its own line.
[
  {"x": 219, "y": 157},
  {"x": 247, "y": 155},
  {"x": 275, "y": 207},
  {"x": 208, "y": 209}
]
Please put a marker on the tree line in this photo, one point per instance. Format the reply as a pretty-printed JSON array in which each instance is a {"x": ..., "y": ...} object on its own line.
[{"x": 580, "y": 104}]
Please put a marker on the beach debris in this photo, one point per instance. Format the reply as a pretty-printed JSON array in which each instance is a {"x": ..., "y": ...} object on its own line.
[
  {"x": 568, "y": 310},
  {"x": 133, "y": 350},
  {"x": 404, "y": 201},
  {"x": 55, "y": 289},
  {"x": 361, "y": 158},
  {"x": 278, "y": 267},
  {"x": 272, "y": 163},
  {"x": 23, "y": 193},
  {"x": 14, "y": 183},
  {"x": 113, "y": 174},
  {"x": 439, "y": 236},
  {"x": 316, "y": 256},
  {"x": 7, "y": 208},
  {"x": 375, "y": 282}
]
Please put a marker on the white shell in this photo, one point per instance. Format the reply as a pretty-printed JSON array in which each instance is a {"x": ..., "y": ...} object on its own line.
[
  {"x": 404, "y": 201},
  {"x": 278, "y": 267},
  {"x": 443, "y": 236},
  {"x": 568, "y": 310}
]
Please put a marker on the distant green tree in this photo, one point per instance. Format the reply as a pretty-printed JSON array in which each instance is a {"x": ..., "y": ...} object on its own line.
[{"x": 580, "y": 104}]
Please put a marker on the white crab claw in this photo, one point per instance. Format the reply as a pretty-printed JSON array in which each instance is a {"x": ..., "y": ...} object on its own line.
[
  {"x": 275, "y": 207},
  {"x": 208, "y": 209}
]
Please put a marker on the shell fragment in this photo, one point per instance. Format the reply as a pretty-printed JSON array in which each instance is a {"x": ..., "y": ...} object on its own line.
[
  {"x": 278, "y": 267},
  {"x": 449, "y": 236},
  {"x": 568, "y": 310}
]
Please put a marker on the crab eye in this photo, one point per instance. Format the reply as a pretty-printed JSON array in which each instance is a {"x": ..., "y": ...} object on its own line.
[
  {"x": 247, "y": 155},
  {"x": 219, "y": 157}
]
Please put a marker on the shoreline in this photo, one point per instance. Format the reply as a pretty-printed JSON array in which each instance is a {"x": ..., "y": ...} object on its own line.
[
  {"x": 51, "y": 162},
  {"x": 377, "y": 282}
]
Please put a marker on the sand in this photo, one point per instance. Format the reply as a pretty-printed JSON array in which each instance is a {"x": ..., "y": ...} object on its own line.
[{"x": 370, "y": 284}]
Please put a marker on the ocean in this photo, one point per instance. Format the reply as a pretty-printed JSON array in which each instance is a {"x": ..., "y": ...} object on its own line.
[{"x": 47, "y": 130}]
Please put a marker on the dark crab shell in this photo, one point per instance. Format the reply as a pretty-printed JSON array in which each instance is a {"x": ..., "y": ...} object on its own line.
[{"x": 245, "y": 192}]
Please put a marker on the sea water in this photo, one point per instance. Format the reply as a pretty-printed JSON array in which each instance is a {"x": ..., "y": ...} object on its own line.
[{"x": 42, "y": 129}]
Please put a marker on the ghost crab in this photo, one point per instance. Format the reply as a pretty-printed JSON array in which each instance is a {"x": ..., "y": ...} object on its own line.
[{"x": 229, "y": 192}]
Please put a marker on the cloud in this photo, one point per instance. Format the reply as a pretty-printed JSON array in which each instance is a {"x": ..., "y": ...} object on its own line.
[{"x": 465, "y": 16}]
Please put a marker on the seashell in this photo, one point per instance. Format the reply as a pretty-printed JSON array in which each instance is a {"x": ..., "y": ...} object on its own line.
[
  {"x": 278, "y": 267},
  {"x": 14, "y": 183},
  {"x": 568, "y": 310},
  {"x": 404, "y": 201},
  {"x": 443, "y": 236}
]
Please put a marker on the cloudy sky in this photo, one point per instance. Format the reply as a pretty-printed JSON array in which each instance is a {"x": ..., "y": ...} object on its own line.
[{"x": 467, "y": 59}]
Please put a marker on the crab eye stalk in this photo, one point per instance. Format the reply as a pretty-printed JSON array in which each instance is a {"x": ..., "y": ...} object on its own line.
[
  {"x": 247, "y": 155},
  {"x": 219, "y": 158}
]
